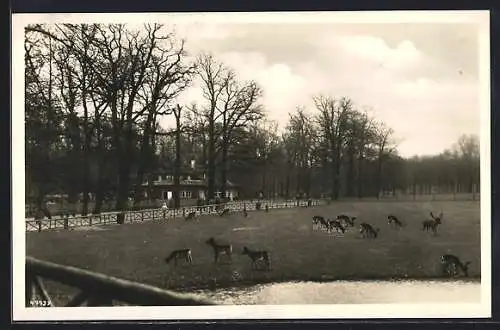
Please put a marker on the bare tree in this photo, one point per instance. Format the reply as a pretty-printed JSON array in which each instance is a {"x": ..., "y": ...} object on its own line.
[
  {"x": 238, "y": 108},
  {"x": 214, "y": 76},
  {"x": 384, "y": 148},
  {"x": 332, "y": 120}
]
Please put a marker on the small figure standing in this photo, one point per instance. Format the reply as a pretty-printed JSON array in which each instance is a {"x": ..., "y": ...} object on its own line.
[{"x": 164, "y": 208}]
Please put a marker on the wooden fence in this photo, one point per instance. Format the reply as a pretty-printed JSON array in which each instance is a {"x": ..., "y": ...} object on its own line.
[
  {"x": 160, "y": 214},
  {"x": 96, "y": 289}
]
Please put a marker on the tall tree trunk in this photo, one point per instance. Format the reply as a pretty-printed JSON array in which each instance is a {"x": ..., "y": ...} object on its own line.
[
  {"x": 99, "y": 190},
  {"x": 224, "y": 168},
  {"x": 336, "y": 176},
  {"x": 211, "y": 159},
  {"x": 350, "y": 174},
  {"x": 144, "y": 159},
  {"x": 287, "y": 185},
  {"x": 379, "y": 177},
  {"x": 360, "y": 174},
  {"x": 177, "y": 165},
  {"x": 124, "y": 168},
  {"x": 86, "y": 162}
]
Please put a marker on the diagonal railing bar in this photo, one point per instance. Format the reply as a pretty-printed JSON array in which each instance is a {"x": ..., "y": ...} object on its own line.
[
  {"x": 42, "y": 291},
  {"x": 101, "y": 290}
]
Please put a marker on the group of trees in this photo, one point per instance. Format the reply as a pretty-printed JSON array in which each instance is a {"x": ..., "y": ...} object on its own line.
[{"x": 94, "y": 96}]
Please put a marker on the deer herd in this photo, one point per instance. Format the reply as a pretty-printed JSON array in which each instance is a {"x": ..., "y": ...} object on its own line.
[
  {"x": 222, "y": 249},
  {"x": 451, "y": 264}
]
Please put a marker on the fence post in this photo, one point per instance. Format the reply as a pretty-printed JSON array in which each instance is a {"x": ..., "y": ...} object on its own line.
[
  {"x": 39, "y": 222},
  {"x": 142, "y": 215}
]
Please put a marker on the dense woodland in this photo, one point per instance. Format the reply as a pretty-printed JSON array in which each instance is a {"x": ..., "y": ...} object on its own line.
[{"x": 94, "y": 96}]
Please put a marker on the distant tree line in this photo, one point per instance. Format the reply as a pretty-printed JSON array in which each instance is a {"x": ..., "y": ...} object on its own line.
[{"x": 95, "y": 93}]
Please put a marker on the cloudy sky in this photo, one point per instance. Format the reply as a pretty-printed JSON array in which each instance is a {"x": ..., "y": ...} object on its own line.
[{"x": 421, "y": 79}]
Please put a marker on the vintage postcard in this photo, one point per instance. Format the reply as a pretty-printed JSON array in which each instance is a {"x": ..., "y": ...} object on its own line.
[{"x": 251, "y": 165}]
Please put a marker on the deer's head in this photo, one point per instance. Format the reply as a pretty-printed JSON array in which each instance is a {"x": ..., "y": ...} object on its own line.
[{"x": 438, "y": 218}]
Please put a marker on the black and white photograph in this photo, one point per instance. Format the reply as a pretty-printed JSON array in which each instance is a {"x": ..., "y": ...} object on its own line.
[{"x": 251, "y": 165}]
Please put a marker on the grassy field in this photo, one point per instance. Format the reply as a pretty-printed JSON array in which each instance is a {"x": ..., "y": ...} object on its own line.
[{"x": 136, "y": 251}]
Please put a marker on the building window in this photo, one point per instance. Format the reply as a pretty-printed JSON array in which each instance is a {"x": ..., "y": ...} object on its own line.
[{"x": 185, "y": 194}]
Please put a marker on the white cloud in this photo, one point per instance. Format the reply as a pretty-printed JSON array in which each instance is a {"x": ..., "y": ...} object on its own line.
[
  {"x": 427, "y": 115},
  {"x": 373, "y": 50}
]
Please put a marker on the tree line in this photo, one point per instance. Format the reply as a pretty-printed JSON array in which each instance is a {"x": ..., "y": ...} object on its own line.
[{"x": 95, "y": 94}]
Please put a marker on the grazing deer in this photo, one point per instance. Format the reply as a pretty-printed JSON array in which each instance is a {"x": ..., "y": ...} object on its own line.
[
  {"x": 337, "y": 225},
  {"x": 317, "y": 219},
  {"x": 180, "y": 254},
  {"x": 224, "y": 212},
  {"x": 220, "y": 249},
  {"x": 394, "y": 221},
  {"x": 432, "y": 224},
  {"x": 451, "y": 263},
  {"x": 349, "y": 221},
  {"x": 257, "y": 256},
  {"x": 190, "y": 216},
  {"x": 368, "y": 231}
]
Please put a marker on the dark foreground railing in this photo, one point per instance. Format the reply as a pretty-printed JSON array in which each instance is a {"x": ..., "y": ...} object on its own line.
[
  {"x": 97, "y": 289},
  {"x": 159, "y": 214}
]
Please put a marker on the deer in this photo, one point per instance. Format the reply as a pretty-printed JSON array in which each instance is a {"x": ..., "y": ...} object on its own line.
[
  {"x": 432, "y": 224},
  {"x": 394, "y": 221},
  {"x": 368, "y": 231},
  {"x": 256, "y": 256},
  {"x": 451, "y": 263},
  {"x": 337, "y": 225},
  {"x": 319, "y": 220},
  {"x": 190, "y": 216},
  {"x": 349, "y": 221},
  {"x": 220, "y": 249},
  {"x": 180, "y": 254}
]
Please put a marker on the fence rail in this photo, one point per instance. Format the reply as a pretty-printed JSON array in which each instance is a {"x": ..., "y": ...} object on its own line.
[
  {"x": 160, "y": 214},
  {"x": 97, "y": 289}
]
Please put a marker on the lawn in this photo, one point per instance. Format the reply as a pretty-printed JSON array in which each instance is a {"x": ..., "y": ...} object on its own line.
[{"x": 136, "y": 251}]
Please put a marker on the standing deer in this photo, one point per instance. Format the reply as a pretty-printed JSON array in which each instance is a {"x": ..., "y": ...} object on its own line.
[
  {"x": 180, "y": 254},
  {"x": 256, "y": 256},
  {"x": 452, "y": 263},
  {"x": 220, "y": 249},
  {"x": 432, "y": 224}
]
